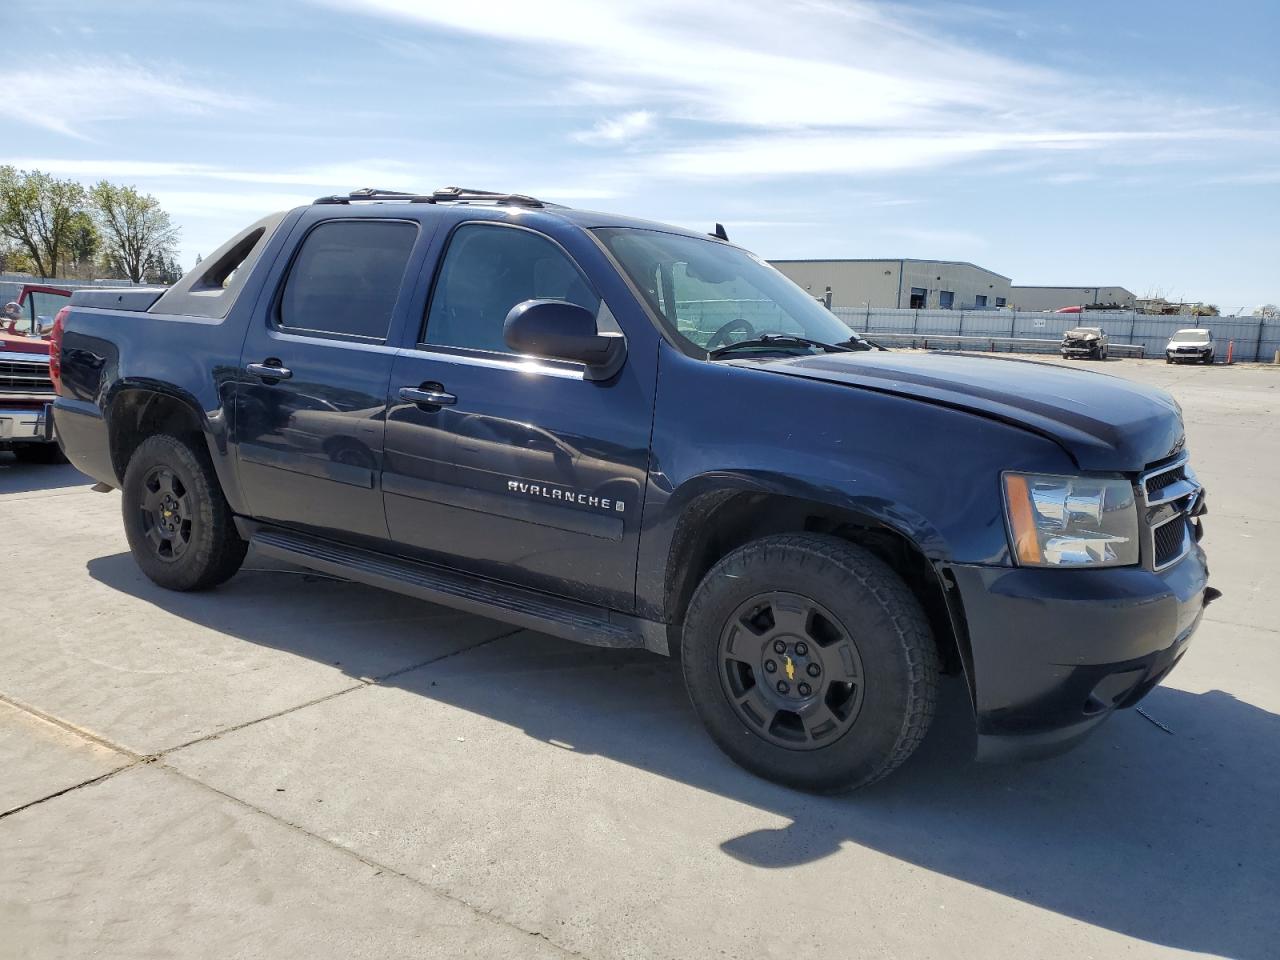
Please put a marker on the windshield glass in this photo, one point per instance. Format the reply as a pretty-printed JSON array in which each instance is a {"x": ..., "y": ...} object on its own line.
[
  {"x": 1192, "y": 336},
  {"x": 712, "y": 294}
]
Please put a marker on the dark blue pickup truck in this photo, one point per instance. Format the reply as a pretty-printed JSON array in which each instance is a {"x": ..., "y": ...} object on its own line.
[{"x": 632, "y": 435}]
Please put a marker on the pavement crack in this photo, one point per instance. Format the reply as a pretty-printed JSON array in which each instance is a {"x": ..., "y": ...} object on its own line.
[
  {"x": 482, "y": 912},
  {"x": 78, "y": 786},
  {"x": 66, "y": 725},
  {"x": 249, "y": 723},
  {"x": 444, "y": 656}
]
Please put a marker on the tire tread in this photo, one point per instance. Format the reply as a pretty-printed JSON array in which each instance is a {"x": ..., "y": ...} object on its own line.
[{"x": 861, "y": 571}]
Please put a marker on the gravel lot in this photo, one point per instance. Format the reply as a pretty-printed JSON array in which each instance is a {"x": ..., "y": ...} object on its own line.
[{"x": 293, "y": 766}]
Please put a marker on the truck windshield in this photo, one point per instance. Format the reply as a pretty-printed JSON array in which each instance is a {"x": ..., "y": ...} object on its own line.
[
  {"x": 1192, "y": 336},
  {"x": 711, "y": 294}
]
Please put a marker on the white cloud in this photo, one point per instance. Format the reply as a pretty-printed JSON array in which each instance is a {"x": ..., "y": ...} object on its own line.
[
  {"x": 389, "y": 174},
  {"x": 73, "y": 95},
  {"x": 943, "y": 242},
  {"x": 1257, "y": 177},
  {"x": 619, "y": 129},
  {"x": 776, "y": 87}
]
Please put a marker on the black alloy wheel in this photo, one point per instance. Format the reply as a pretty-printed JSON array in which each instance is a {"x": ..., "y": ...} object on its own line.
[
  {"x": 168, "y": 515},
  {"x": 791, "y": 671},
  {"x": 180, "y": 527}
]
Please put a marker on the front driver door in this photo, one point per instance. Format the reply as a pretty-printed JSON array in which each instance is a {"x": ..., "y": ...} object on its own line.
[{"x": 520, "y": 470}]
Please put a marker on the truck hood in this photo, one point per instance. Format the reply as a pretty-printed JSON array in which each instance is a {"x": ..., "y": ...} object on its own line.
[
  {"x": 16, "y": 343},
  {"x": 1105, "y": 423}
]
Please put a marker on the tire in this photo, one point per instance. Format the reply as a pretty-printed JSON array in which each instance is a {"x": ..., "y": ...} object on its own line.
[
  {"x": 1168, "y": 359},
  {"x": 39, "y": 453},
  {"x": 179, "y": 525},
  {"x": 827, "y": 604}
]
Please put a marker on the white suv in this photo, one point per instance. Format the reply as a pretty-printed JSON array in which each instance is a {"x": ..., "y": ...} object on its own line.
[{"x": 1195, "y": 345}]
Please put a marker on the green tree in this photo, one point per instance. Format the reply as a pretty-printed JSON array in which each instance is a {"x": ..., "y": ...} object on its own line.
[
  {"x": 164, "y": 269},
  {"x": 39, "y": 214},
  {"x": 136, "y": 232},
  {"x": 82, "y": 250}
]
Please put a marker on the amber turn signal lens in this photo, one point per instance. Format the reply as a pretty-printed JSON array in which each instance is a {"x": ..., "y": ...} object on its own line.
[{"x": 1021, "y": 518}]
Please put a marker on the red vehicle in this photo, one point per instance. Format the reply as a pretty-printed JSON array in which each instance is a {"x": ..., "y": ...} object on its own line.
[{"x": 26, "y": 387}]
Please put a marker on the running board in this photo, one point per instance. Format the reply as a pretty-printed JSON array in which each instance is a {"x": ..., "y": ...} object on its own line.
[{"x": 518, "y": 606}]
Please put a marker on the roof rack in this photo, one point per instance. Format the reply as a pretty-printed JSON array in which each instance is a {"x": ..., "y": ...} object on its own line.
[{"x": 447, "y": 195}]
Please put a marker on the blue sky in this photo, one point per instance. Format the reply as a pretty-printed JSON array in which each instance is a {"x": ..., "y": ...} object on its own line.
[{"x": 1133, "y": 143}]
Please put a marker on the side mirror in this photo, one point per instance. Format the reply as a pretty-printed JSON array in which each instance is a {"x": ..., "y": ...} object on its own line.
[{"x": 559, "y": 330}]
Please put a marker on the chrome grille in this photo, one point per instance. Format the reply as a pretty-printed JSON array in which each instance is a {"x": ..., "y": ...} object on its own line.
[
  {"x": 1172, "y": 497},
  {"x": 25, "y": 376}
]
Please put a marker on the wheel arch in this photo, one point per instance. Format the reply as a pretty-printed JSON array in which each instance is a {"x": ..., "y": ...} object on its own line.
[
  {"x": 717, "y": 521},
  {"x": 138, "y": 410}
]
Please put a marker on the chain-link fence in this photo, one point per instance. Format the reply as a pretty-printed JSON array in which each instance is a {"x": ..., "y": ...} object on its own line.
[
  {"x": 1254, "y": 338},
  {"x": 11, "y": 284}
]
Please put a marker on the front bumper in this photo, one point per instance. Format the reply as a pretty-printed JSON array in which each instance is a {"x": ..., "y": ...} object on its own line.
[
  {"x": 1053, "y": 653},
  {"x": 26, "y": 424},
  {"x": 1188, "y": 354},
  {"x": 1080, "y": 350}
]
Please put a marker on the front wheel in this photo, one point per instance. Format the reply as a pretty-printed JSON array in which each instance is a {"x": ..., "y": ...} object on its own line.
[
  {"x": 810, "y": 662},
  {"x": 178, "y": 523}
]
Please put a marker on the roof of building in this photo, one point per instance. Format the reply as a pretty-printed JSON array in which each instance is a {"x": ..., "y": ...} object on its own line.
[
  {"x": 950, "y": 263},
  {"x": 1071, "y": 286}
]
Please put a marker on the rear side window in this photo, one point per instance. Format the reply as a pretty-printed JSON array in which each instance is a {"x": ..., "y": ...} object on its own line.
[
  {"x": 487, "y": 270},
  {"x": 346, "y": 278}
]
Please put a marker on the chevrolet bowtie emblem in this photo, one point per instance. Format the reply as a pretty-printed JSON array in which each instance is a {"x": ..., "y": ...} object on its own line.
[{"x": 791, "y": 668}]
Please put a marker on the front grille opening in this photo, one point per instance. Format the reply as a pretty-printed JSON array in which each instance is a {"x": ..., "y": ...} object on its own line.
[
  {"x": 1169, "y": 540},
  {"x": 1159, "y": 481},
  {"x": 19, "y": 376}
]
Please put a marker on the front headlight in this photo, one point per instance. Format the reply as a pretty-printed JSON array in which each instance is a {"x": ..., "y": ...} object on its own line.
[{"x": 1071, "y": 521}]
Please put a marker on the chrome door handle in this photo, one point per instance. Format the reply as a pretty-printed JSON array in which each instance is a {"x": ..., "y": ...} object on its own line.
[
  {"x": 267, "y": 371},
  {"x": 431, "y": 398}
]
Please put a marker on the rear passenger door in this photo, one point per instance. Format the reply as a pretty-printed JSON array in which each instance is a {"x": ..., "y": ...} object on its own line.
[
  {"x": 523, "y": 470},
  {"x": 315, "y": 364}
]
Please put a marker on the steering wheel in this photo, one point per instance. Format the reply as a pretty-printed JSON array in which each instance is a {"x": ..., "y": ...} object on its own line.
[{"x": 721, "y": 337}]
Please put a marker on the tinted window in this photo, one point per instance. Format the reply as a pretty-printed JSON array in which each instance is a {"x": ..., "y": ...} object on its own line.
[
  {"x": 347, "y": 277},
  {"x": 487, "y": 270}
]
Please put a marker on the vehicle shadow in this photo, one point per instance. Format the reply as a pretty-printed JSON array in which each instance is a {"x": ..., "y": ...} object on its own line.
[
  {"x": 1170, "y": 838},
  {"x": 19, "y": 477}
]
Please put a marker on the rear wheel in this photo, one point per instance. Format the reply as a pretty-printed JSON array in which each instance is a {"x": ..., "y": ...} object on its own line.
[
  {"x": 810, "y": 662},
  {"x": 179, "y": 525}
]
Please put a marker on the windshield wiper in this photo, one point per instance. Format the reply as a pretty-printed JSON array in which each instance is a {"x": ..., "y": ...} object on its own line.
[
  {"x": 782, "y": 340},
  {"x": 859, "y": 342}
]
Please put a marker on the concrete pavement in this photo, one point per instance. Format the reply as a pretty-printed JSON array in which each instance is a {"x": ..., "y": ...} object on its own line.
[{"x": 292, "y": 765}]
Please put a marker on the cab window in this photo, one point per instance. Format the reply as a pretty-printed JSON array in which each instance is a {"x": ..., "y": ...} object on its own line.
[
  {"x": 487, "y": 270},
  {"x": 346, "y": 278}
]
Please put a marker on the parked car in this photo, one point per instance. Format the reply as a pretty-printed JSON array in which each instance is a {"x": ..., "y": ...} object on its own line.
[
  {"x": 516, "y": 409},
  {"x": 1194, "y": 346},
  {"x": 26, "y": 389},
  {"x": 1088, "y": 342}
]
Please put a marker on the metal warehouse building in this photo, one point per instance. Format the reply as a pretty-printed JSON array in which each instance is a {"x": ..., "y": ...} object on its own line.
[
  {"x": 1054, "y": 298},
  {"x": 913, "y": 284}
]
